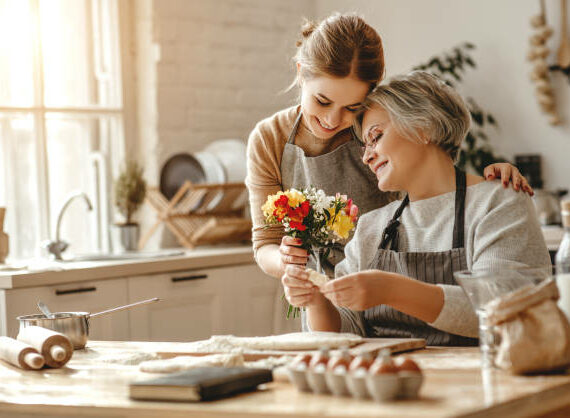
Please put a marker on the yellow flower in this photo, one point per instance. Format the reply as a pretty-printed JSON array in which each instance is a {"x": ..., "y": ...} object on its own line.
[
  {"x": 295, "y": 197},
  {"x": 269, "y": 205},
  {"x": 342, "y": 224}
]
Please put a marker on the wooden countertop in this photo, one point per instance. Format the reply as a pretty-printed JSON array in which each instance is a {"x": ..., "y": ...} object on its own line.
[
  {"x": 67, "y": 272},
  {"x": 454, "y": 386}
]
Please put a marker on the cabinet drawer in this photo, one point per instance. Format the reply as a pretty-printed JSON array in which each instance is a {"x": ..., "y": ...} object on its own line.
[{"x": 90, "y": 297}]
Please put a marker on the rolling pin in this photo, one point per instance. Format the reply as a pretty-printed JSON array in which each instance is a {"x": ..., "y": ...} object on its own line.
[
  {"x": 55, "y": 347},
  {"x": 20, "y": 354}
]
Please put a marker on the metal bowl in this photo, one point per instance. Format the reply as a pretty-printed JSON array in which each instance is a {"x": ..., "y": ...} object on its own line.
[{"x": 74, "y": 325}]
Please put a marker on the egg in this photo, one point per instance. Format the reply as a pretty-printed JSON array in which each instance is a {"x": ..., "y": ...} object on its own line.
[
  {"x": 320, "y": 359},
  {"x": 361, "y": 361},
  {"x": 383, "y": 364},
  {"x": 406, "y": 364},
  {"x": 340, "y": 362},
  {"x": 301, "y": 361}
]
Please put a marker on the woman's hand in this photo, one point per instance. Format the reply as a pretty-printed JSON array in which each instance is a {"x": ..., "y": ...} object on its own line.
[
  {"x": 299, "y": 291},
  {"x": 291, "y": 254},
  {"x": 507, "y": 173},
  {"x": 356, "y": 291}
]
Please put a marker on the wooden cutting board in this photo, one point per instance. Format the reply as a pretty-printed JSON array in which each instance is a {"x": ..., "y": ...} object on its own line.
[{"x": 369, "y": 345}]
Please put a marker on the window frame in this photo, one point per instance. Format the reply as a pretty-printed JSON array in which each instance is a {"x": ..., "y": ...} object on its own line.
[{"x": 123, "y": 50}]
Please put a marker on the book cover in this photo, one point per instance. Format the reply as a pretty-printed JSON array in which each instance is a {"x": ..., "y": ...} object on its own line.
[{"x": 200, "y": 384}]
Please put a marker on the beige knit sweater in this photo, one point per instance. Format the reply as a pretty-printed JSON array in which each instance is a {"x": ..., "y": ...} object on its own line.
[{"x": 264, "y": 151}]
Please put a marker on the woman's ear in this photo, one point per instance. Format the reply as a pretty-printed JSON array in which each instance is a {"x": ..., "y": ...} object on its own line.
[{"x": 299, "y": 75}]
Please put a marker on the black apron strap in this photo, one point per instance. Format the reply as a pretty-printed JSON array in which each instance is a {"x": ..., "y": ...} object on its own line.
[
  {"x": 459, "y": 225},
  {"x": 390, "y": 234}
]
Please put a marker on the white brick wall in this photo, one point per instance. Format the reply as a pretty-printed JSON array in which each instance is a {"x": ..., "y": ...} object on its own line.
[{"x": 222, "y": 66}]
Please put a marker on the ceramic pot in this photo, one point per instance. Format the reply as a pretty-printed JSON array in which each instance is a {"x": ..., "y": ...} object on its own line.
[{"x": 125, "y": 237}]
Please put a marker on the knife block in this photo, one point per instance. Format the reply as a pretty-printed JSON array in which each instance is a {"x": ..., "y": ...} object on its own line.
[{"x": 4, "y": 243}]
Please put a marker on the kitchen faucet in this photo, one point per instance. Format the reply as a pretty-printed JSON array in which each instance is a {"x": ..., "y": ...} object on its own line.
[{"x": 55, "y": 248}]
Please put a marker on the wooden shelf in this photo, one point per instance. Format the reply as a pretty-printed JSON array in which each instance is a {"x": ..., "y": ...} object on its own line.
[{"x": 201, "y": 213}]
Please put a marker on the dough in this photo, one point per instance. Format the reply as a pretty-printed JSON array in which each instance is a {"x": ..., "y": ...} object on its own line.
[
  {"x": 317, "y": 278},
  {"x": 293, "y": 341},
  {"x": 180, "y": 363},
  {"x": 296, "y": 341}
]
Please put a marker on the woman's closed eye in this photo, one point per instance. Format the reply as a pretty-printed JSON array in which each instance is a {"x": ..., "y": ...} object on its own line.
[
  {"x": 321, "y": 102},
  {"x": 373, "y": 139},
  {"x": 352, "y": 109}
]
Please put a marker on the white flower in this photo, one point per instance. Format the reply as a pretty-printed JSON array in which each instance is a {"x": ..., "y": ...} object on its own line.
[{"x": 322, "y": 201}]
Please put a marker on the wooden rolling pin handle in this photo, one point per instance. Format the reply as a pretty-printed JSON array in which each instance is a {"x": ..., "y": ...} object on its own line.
[
  {"x": 34, "y": 361},
  {"x": 49, "y": 343},
  {"x": 57, "y": 352}
]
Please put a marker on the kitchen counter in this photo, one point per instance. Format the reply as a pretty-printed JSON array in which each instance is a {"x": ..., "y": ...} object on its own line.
[
  {"x": 65, "y": 272},
  {"x": 454, "y": 386}
]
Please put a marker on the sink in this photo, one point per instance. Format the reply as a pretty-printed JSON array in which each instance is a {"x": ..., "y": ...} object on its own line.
[{"x": 135, "y": 255}]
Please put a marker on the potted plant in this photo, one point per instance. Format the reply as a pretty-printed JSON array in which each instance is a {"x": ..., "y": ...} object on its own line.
[{"x": 129, "y": 194}]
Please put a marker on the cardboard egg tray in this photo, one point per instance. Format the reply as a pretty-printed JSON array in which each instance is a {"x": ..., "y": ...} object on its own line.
[{"x": 358, "y": 384}]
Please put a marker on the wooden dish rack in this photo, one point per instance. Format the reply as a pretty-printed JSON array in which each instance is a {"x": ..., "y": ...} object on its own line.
[{"x": 188, "y": 217}]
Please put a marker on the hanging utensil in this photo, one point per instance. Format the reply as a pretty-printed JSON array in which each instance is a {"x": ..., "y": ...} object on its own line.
[{"x": 564, "y": 48}]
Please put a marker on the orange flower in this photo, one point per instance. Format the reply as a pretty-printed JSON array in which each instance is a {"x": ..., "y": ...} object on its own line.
[
  {"x": 281, "y": 207},
  {"x": 297, "y": 215}
]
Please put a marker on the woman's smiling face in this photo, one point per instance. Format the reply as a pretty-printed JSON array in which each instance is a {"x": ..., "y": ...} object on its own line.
[
  {"x": 390, "y": 156},
  {"x": 329, "y": 104}
]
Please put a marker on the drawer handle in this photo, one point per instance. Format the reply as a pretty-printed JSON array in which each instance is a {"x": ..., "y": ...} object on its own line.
[
  {"x": 188, "y": 278},
  {"x": 79, "y": 290}
]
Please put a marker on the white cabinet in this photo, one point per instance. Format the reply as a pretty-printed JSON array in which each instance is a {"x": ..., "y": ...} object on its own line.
[
  {"x": 190, "y": 307},
  {"x": 92, "y": 296},
  {"x": 196, "y": 304}
]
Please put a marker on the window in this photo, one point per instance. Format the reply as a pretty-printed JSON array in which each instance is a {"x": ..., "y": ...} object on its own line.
[{"x": 61, "y": 119}]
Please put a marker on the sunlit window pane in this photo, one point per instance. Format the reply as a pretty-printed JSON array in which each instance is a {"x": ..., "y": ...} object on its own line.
[
  {"x": 78, "y": 51},
  {"x": 18, "y": 177},
  {"x": 69, "y": 144},
  {"x": 16, "y": 56}
]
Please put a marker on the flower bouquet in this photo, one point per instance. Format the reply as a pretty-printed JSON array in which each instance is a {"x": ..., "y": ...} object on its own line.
[{"x": 318, "y": 220}]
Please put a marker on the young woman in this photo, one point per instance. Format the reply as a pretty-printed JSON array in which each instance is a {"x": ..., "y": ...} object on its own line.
[
  {"x": 339, "y": 61},
  {"x": 397, "y": 278}
]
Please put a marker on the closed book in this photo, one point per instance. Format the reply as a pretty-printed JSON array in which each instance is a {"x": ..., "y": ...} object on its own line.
[{"x": 200, "y": 384}]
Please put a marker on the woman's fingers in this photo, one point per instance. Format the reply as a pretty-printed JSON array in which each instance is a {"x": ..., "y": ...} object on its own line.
[
  {"x": 506, "y": 172},
  {"x": 526, "y": 187},
  {"x": 287, "y": 240},
  {"x": 291, "y": 254}
]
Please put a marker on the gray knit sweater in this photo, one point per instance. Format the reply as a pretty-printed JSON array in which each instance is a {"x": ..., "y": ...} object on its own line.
[{"x": 501, "y": 229}]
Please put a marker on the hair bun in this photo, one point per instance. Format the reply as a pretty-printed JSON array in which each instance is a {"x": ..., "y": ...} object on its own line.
[{"x": 307, "y": 29}]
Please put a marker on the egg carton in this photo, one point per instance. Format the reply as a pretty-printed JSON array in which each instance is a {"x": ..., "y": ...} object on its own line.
[{"x": 359, "y": 384}]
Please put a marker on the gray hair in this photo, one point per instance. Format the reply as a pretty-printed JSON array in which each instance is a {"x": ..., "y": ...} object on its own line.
[{"x": 423, "y": 107}]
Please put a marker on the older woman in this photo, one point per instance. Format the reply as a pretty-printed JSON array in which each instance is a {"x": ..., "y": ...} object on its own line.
[{"x": 397, "y": 278}]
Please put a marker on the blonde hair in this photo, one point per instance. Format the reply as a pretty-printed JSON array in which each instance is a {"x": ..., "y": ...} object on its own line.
[
  {"x": 422, "y": 108},
  {"x": 338, "y": 46}
]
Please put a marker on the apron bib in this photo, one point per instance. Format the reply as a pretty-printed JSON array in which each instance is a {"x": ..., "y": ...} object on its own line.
[{"x": 429, "y": 267}]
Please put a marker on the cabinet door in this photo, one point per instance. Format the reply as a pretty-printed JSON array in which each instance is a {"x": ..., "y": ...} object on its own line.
[
  {"x": 250, "y": 301},
  {"x": 190, "y": 308},
  {"x": 90, "y": 297},
  {"x": 195, "y": 305}
]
